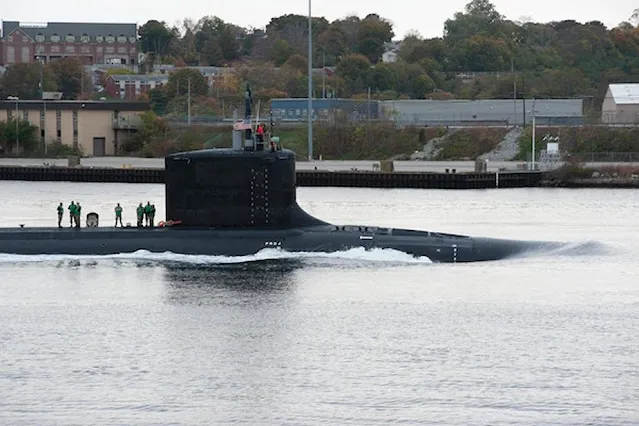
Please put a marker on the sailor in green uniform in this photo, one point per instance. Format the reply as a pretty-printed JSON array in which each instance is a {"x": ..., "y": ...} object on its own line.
[
  {"x": 118, "y": 215},
  {"x": 60, "y": 214},
  {"x": 78, "y": 211},
  {"x": 72, "y": 210},
  {"x": 152, "y": 215},
  {"x": 140, "y": 212},
  {"x": 147, "y": 214}
]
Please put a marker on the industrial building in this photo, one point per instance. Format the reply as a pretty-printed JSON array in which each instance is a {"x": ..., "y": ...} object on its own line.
[
  {"x": 95, "y": 128},
  {"x": 423, "y": 112},
  {"x": 92, "y": 43},
  {"x": 485, "y": 112},
  {"x": 621, "y": 104}
]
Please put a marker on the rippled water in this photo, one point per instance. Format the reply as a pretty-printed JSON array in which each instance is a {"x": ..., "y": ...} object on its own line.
[{"x": 353, "y": 338}]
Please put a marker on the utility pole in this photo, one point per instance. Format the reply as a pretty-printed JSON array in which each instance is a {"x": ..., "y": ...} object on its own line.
[
  {"x": 369, "y": 104},
  {"x": 188, "y": 100},
  {"x": 310, "y": 84},
  {"x": 44, "y": 105},
  {"x": 324, "y": 77},
  {"x": 512, "y": 72},
  {"x": 17, "y": 128},
  {"x": 533, "y": 136}
]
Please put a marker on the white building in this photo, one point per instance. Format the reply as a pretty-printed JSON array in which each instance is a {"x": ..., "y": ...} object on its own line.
[
  {"x": 389, "y": 56},
  {"x": 621, "y": 105}
]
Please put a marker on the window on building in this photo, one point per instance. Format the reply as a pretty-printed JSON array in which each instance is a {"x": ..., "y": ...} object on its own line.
[
  {"x": 84, "y": 38},
  {"x": 10, "y": 38},
  {"x": 11, "y": 55},
  {"x": 121, "y": 39},
  {"x": 132, "y": 39},
  {"x": 40, "y": 37},
  {"x": 70, "y": 49},
  {"x": 55, "y": 38},
  {"x": 25, "y": 39},
  {"x": 110, "y": 38},
  {"x": 70, "y": 38},
  {"x": 26, "y": 54},
  {"x": 99, "y": 39},
  {"x": 25, "y": 115}
]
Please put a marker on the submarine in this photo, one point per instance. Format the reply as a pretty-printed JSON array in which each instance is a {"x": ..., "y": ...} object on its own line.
[{"x": 238, "y": 201}]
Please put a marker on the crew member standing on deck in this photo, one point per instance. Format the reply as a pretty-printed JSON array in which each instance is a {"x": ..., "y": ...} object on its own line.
[
  {"x": 260, "y": 133},
  {"x": 147, "y": 214},
  {"x": 72, "y": 213},
  {"x": 78, "y": 211},
  {"x": 140, "y": 212},
  {"x": 152, "y": 214},
  {"x": 60, "y": 214},
  {"x": 118, "y": 216}
]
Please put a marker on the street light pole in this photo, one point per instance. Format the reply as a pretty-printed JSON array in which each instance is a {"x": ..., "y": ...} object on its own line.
[
  {"x": 533, "y": 136},
  {"x": 310, "y": 84},
  {"x": 17, "y": 128}
]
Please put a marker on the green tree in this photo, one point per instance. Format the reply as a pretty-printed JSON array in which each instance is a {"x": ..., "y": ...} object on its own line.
[
  {"x": 374, "y": 33},
  {"x": 218, "y": 41},
  {"x": 383, "y": 78},
  {"x": 480, "y": 17},
  {"x": 280, "y": 52},
  {"x": 294, "y": 30},
  {"x": 16, "y": 131},
  {"x": 354, "y": 69},
  {"x": 155, "y": 37},
  {"x": 23, "y": 81},
  {"x": 180, "y": 81},
  {"x": 71, "y": 77}
]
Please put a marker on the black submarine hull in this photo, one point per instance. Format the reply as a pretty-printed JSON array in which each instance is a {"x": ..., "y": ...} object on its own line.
[{"x": 440, "y": 248}]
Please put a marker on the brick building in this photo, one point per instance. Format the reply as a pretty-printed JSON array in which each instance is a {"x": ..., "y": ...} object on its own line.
[
  {"x": 130, "y": 86},
  {"x": 93, "y": 43}
]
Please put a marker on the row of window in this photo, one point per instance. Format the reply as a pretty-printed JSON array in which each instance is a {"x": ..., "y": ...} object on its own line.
[
  {"x": 85, "y": 49},
  {"x": 70, "y": 38}
]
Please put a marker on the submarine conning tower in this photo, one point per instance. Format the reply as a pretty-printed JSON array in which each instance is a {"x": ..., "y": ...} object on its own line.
[{"x": 246, "y": 186}]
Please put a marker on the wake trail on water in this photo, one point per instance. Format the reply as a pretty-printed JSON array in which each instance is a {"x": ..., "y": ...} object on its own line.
[{"x": 356, "y": 254}]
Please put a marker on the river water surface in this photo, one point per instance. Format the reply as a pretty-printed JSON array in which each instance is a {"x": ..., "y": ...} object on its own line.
[{"x": 351, "y": 338}]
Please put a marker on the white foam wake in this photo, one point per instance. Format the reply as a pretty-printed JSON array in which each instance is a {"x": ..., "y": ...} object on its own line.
[{"x": 356, "y": 254}]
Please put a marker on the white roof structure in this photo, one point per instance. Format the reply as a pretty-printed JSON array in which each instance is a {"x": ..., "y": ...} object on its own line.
[{"x": 624, "y": 94}]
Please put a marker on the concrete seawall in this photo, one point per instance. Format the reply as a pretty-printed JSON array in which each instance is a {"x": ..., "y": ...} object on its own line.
[{"x": 355, "y": 179}]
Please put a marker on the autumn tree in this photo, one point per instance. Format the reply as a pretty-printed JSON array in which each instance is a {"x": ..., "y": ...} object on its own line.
[{"x": 185, "y": 79}]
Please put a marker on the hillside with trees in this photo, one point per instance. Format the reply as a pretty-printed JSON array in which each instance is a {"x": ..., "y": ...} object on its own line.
[
  {"x": 473, "y": 59},
  {"x": 549, "y": 60}
]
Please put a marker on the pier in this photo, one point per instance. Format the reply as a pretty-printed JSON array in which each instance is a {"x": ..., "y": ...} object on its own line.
[{"x": 305, "y": 178}]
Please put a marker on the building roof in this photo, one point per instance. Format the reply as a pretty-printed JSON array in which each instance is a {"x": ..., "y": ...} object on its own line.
[
  {"x": 76, "y": 105},
  {"x": 625, "y": 93},
  {"x": 139, "y": 77},
  {"x": 74, "y": 28}
]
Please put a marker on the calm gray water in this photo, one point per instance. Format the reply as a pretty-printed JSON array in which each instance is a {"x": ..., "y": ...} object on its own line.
[{"x": 354, "y": 338}]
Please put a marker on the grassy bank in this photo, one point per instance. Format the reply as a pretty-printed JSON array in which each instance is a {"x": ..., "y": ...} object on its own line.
[{"x": 345, "y": 140}]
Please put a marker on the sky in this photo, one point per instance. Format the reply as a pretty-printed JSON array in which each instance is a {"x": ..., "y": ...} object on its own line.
[{"x": 426, "y": 17}]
